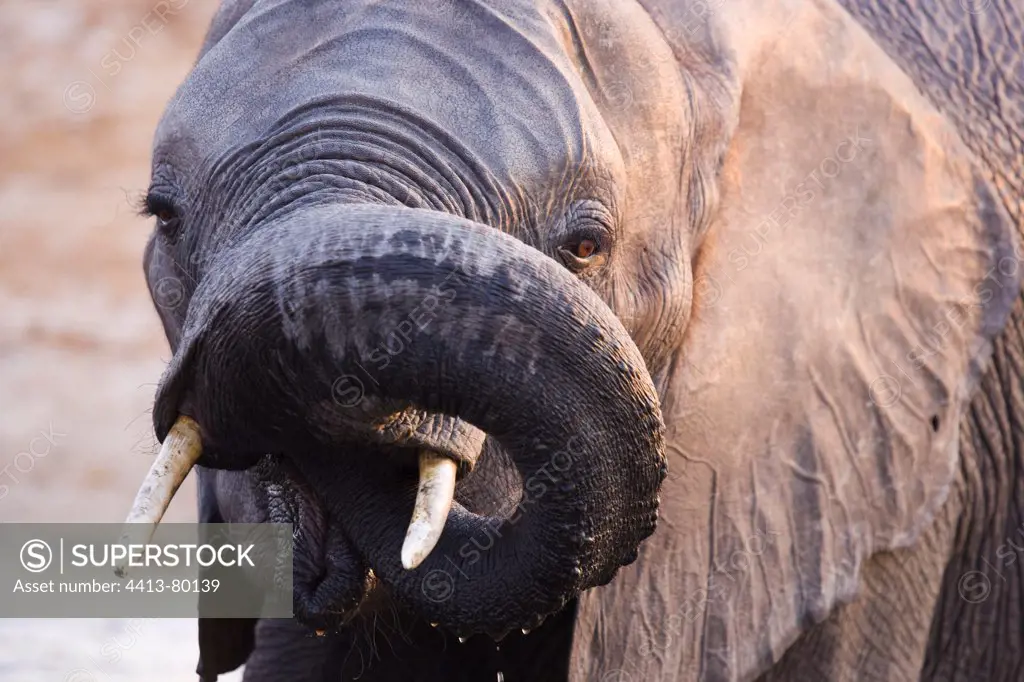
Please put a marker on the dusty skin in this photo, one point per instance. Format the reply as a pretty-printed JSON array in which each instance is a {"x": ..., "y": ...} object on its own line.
[{"x": 80, "y": 346}]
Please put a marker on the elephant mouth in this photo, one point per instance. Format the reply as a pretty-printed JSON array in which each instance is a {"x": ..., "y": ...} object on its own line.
[
  {"x": 523, "y": 351},
  {"x": 332, "y": 579}
]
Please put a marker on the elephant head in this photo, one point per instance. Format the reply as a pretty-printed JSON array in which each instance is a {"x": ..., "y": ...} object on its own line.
[
  {"x": 529, "y": 251},
  {"x": 375, "y": 274}
]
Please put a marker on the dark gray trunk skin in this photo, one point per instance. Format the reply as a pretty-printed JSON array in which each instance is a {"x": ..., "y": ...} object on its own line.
[
  {"x": 308, "y": 297},
  {"x": 912, "y": 620}
]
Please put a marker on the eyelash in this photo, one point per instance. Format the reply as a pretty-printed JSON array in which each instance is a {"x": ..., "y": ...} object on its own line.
[{"x": 161, "y": 208}]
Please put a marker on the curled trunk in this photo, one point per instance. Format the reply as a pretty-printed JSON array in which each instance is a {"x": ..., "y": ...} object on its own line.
[{"x": 302, "y": 317}]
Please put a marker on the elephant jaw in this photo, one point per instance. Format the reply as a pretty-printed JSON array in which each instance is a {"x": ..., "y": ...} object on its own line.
[{"x": 330, "y": 578}]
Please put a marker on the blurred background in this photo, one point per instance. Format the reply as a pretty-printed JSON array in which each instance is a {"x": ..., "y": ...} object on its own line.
[{"x": 81, "y": 349}]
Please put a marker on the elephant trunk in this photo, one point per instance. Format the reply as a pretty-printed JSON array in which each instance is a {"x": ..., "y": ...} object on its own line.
[{"x": 289, "y": 348}]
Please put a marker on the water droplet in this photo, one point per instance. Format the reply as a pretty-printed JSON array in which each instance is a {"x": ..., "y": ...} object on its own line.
[
  {"x": 526, "y": 631},
  {"x": 433, "y": 625},
  {"x": 501, "y": 676},
  {"x": 462, "y": 640}
]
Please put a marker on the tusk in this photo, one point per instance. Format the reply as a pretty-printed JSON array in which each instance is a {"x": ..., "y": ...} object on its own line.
[
  {"x": 433, "y": 502},
  {"x": 178, "y": 454}
]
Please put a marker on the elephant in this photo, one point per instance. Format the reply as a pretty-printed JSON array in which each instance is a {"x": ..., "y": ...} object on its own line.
[{"x": 617, "y": 340}]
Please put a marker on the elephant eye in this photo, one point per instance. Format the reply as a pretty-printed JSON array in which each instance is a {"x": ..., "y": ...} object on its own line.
[
  {"x": 582, "y": 252},
  {"x": 163, "y": 209},
  {"x": 584, "y": 235},
  {"x": 586, "y": 248}
]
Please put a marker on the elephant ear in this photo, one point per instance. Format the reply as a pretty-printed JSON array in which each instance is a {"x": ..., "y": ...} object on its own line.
[{"x": 846, "y": 294}]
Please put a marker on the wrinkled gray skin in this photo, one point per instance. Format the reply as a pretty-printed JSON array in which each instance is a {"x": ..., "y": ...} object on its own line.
[{"x": 808, "y": 221}]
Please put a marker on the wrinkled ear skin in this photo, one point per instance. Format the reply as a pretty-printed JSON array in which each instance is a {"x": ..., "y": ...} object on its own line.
[{"x": 856, "y": 270}]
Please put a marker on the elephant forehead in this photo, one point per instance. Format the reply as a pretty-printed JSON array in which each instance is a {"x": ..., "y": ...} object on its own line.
[{"x": 496, "y": 79}]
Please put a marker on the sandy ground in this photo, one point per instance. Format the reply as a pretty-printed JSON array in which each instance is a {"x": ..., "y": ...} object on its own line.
[{"x": 82, "y": 87}]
